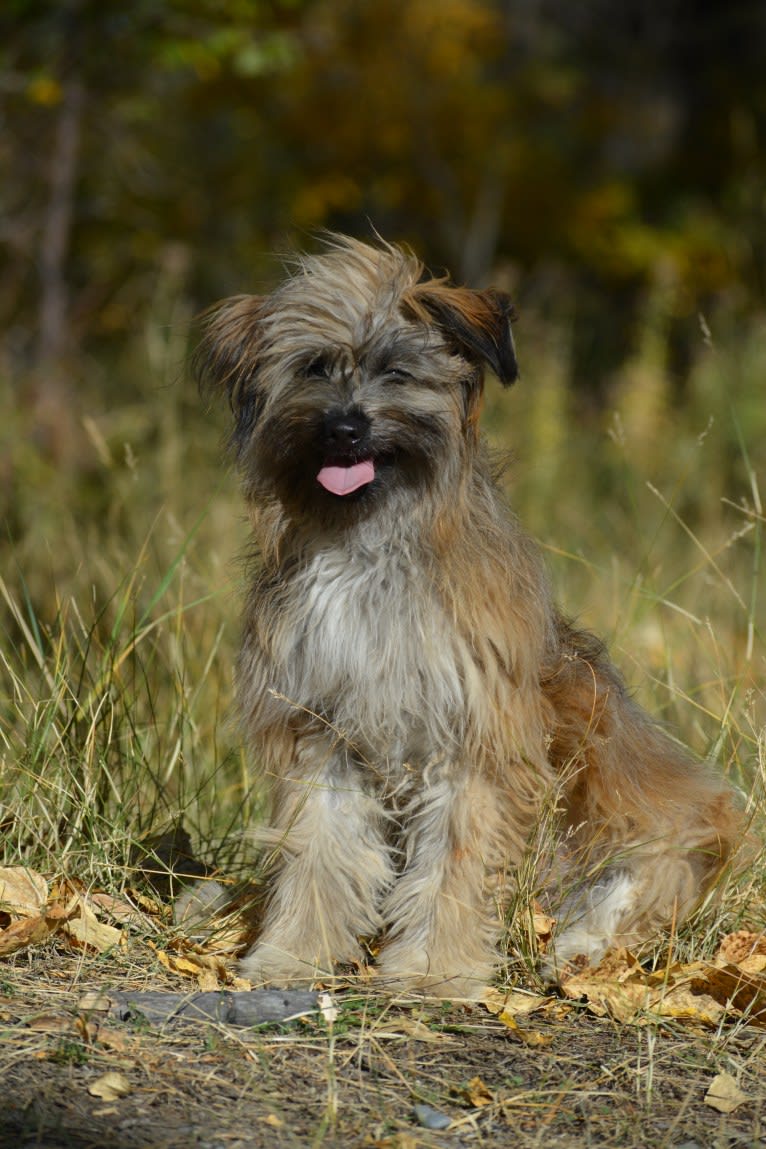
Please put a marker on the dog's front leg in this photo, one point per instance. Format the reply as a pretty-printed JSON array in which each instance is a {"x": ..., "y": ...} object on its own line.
[
  {"x": 334, "y": 866},
  {"x": 441, "y": 914}
]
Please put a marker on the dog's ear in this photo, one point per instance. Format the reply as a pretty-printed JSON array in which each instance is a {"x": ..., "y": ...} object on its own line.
[
  {"x": 477, "y": 322},
  {"x": 226, "y": 357}
]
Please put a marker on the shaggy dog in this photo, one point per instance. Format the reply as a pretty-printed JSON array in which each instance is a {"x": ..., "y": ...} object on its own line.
[{"x": 412, "y": 696}]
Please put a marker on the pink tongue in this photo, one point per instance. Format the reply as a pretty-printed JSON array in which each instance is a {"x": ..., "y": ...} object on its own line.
[{"x": 344, "y": 480}]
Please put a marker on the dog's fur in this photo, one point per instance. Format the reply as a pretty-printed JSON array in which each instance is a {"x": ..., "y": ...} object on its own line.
[{"x": 412, "y": 696}]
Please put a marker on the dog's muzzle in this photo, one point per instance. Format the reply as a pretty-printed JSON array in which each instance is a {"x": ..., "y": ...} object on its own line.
[{"x": 348, "y": 465}]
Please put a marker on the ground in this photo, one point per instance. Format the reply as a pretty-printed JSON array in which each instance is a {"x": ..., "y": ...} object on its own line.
[{"x": 378, "y": 1075}]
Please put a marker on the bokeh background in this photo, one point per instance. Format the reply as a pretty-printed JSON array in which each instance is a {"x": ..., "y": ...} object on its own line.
[{"x": 604, "y": 162}]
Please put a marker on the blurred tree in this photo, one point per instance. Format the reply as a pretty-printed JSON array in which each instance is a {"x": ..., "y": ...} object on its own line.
[{"x": 588, "y": 152}]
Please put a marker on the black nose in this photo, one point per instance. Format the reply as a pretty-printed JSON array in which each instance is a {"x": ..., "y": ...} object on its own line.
[{"x": 345, "y": 431}]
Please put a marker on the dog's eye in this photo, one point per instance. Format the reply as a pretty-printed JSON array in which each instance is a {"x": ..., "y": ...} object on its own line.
[
  {"x": 319, "y": 367},
  {"x": 397, "y": 375}
]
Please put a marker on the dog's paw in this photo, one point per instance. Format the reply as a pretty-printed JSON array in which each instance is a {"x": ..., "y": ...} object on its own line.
[
  {"x": 406, "y": 969},
  {"x": 593, "y": 919},
  {"x": 447, "y": 987},
  {"x": 268, "y": 964}
]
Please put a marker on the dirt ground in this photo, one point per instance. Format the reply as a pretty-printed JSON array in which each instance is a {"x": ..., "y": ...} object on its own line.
[{"x": 382, "y": 1074}]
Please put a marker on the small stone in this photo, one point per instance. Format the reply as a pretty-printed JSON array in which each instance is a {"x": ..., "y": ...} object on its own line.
[{"x": 431, "y": 1118}]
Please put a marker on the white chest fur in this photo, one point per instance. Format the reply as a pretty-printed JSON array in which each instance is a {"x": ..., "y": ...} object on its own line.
[{"x": 373, "y": 652}]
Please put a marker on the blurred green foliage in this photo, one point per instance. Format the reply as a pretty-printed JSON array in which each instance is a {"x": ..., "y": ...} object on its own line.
[{"x": 579, "y": 154}]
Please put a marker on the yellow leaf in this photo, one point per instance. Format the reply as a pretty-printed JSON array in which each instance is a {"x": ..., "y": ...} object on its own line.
[
  {"x": 680, "y": 1002},
  {"x": 507, "y": 1019},
  {"x": 410, "y": 1027},
  {"x": 179, "y": 964},
  {"x": 542, "y": 924},
  {"x": 120, "y": 910},
  {"x": 533, "y": 1037},
  {"x": 622, "y": 1000},
  {"x": 724, "y": 1094},
  {"x": 477, "y": 1093},
  {"x": 733, "y": 985},
  {"x": 23, "y": 892},
  {"x": 25, "y": 932},
  {"x": 110, "y": 1086},
  {"x": 740, "y": 946},
  {"x": 515, "y": 1003},
  {"x": 208, "y": 970},
  {"x": 87, "y": 930},
  {"x": 115, "y": 1040},
  {"x": 50, "y": 1023},
  {"x": 207, "y": 980}
]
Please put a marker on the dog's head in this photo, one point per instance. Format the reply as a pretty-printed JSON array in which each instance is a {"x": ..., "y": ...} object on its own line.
[{"x": 357, "y": 378}]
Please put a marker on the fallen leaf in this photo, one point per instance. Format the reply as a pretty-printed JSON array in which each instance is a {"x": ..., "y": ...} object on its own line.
[
  {"x": 508, "y": 1006},
  {"x": 616, "y": 987},
  {"x": 177, "y": 963},
  {"x": 411, "y": 1027},
  {"x": 149, "y": 905},
  {"x": 207, "y": 980},
  {"x": 86, "y": 930},
  {"x": 116, "y": 1040},
  {"x": 686, "y": 1005},
  {"x": 477, "y": 1094},
  {"x": 724, "y": 1094},
  {"x": 121, "y": 911},
  {"x": 87, "y": 1029},
  {"x": 543, "y": 925},
  {"x": 51, "y": 1023},
  {"x": 26, "y": 932},
  {"x": 533, "y": 1037},
  {"x": 740, "y": 946},
  {"x": 23, "y": 892},
  {"x": 734, "y": 988},
  {"x": 515, "y": 1003},
  {"x": 208, "y": 970},
  {"x": 110, "y": 1086},
  {"x": 508, "y": 1020}
]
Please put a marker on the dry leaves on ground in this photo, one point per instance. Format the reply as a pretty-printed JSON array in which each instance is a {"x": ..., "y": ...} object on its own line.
[
  {"x": 724, "y": 1094},
  {"x": 32, "y": 909},
  {"x": 730, "y": 987},
  {"x": 110, "y": 1086}
]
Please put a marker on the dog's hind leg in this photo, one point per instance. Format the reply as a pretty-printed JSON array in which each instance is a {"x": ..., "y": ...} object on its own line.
[
  {"x": 649, "y": 826},
  {"x": 332, "y": 871}
]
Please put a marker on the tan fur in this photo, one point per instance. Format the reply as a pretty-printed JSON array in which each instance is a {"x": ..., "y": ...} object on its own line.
[{"x": 411, "y": 694}]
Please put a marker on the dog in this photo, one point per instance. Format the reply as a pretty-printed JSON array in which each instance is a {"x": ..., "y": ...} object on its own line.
[{"x": 412, "y": 696}]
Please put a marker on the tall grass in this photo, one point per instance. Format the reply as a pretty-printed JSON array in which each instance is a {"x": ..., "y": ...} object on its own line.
[{"x": 120, "y": 580}]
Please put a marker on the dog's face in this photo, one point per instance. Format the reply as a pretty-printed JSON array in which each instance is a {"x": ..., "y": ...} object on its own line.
[{"x": 355, "y": 379}]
